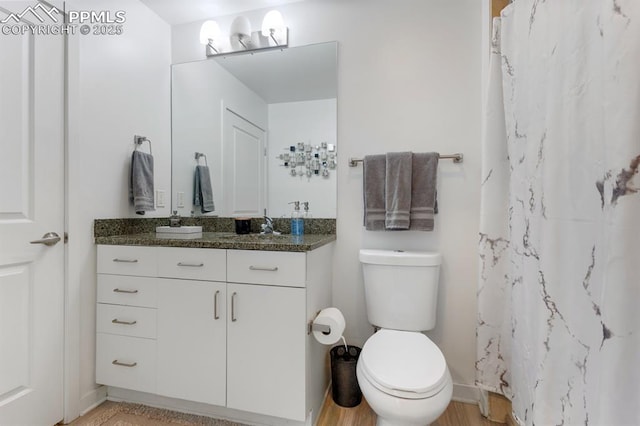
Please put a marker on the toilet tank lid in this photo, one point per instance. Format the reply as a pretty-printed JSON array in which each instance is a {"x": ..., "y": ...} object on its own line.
[{"x": 400, "y": 257}]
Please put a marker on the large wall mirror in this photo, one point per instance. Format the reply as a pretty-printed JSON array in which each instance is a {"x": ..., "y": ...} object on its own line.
[{"x": 267, "y": 126}]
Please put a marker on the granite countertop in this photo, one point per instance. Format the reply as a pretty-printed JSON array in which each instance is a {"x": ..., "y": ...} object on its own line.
[{"x": 223, "y": 240}]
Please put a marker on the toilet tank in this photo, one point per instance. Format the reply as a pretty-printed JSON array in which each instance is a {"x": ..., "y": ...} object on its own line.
[{"x": 401, "y": 288}]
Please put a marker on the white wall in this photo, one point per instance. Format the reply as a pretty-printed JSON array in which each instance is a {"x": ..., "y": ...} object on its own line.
[
  {"x": 289, "y": 123},
  {"x": 409, "y": 78},
  {"x": 201, "y": 92},
  {"x": 119, "y": 86}
]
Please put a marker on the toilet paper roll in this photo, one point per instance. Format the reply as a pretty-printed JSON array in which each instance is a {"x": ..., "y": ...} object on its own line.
[{"x": 335, "y": 320}]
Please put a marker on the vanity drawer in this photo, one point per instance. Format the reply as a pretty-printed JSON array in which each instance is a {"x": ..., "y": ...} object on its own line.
[
  {"x": 124, "y": 290},
  {"x": 126, "y": 320},
  {"x": 126, "y": 362},
  {"x": 127, "y": 260},
  {"x": 266, "y": 267},
  {"x": 192, "y": 263}
]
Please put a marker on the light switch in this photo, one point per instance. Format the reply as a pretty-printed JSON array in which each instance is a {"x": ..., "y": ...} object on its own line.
[
  {"x": 180, "y": 201},
  {"x": 160, "y": 198}
]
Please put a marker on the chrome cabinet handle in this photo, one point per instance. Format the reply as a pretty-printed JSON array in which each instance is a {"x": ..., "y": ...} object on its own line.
[
  {"x": 124, "y": 364},
  {"x": 118, "y": 290},
  {"x": 117, "y": 321},
  {"x": 215, "y": 305},
  {"x": 48, "y": 239},
  {"x": 193, "y": 265},
  {"x": 263, "y": 268},
  {"x": 233, "y": 306},
  {"x": 125, "y": 260}
]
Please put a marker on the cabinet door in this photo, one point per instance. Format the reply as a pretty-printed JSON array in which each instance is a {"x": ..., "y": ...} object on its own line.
[
  {"x": 266, "y": 350},
  {"x": 192, "y": 340}
]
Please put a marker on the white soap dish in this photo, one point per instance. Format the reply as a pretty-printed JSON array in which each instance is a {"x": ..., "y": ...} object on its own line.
[{"x": 179, "y": 230}]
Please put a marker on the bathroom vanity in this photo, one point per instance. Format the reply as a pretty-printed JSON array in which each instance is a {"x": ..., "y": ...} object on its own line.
[{"x": 221, "y": 320}]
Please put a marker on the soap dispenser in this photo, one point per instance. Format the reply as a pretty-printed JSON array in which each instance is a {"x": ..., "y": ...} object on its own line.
[
  {"x": 297, "y": 223},
  {"x": 306, "y": 214}
]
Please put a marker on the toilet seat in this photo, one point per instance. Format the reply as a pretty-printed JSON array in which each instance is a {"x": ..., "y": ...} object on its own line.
[{"x": 404, "y": 364}]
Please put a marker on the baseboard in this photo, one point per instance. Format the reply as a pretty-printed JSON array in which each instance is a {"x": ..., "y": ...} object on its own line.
[
  {"x": 92, "y": 399},
  {"x": 197, "y": 408},
  {"x": 466, "y": 393}
]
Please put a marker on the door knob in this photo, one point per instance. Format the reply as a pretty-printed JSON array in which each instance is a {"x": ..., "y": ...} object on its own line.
[{"x": 48, "y": 239}]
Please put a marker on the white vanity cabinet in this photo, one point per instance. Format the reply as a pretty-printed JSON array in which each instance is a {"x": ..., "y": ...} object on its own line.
[
  {"x": 267, "y": 333},
  {"x": 192, "y": 340},
  {"x": 230, "y": 327},
  {"x": 126, "y": 318},
  {"x": 192, "y": 324}
]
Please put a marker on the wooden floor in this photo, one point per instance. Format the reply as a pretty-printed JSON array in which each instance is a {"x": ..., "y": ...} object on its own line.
[
  {"x": 118, "y": 414},
  {"x": 457, "y": 414}
]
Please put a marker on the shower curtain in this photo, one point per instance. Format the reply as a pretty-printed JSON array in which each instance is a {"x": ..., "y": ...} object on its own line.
[{"x": 559, "y": 288}]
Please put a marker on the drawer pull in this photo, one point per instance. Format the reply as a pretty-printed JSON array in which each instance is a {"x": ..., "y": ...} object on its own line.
[
  {"x": 215, "y": 305},
  {"x": 125, "y": 260},
  {"x": 233, "y": 306},
  {"x": 263, "y": 268},
  {"x": 193, "y": 265},
  {"x": 119, "y": 290},
  {"x": 124, "y": 364},
  {"x": 117, "y": 321}
]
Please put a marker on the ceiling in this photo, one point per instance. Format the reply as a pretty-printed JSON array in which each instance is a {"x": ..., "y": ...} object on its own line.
[{"x": 180, "y": 12}]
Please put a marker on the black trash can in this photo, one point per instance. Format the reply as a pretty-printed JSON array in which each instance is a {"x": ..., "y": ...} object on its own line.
[{"x": 344, "y": 384}]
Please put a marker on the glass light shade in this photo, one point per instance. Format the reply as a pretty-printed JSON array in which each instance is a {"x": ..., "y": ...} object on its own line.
[
  {"x": 240, "y": 27},
  {"x": 210, "y": 30},
  {"x": 272, "y": 21}
]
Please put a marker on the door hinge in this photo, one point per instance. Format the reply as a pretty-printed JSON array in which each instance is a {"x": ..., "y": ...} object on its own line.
[{"x": 66, "y": 237}]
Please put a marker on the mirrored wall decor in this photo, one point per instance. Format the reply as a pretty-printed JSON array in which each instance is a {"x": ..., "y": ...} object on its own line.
[{"x": 243, "y": 114}]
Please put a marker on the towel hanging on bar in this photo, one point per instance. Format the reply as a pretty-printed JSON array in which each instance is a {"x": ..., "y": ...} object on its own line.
[{"x": 399, "y": 191}]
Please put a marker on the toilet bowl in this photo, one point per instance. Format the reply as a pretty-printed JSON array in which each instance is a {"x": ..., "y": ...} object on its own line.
[{"x": 404, "y": 378}]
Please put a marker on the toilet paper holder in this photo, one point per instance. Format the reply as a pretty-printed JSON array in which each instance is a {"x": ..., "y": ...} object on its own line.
[
  {"x": 323, "y": 328},
  {"x": 318, "y": 327}
]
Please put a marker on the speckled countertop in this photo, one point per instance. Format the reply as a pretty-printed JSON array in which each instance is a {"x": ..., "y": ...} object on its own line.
[{"x": 218, "y": 234}]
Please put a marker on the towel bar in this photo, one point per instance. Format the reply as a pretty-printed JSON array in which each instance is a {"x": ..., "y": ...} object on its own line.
[{"x": 457, "y": 158}]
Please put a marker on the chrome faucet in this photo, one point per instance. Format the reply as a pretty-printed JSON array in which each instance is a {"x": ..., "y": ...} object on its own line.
[{"x": 267, "y": 226}]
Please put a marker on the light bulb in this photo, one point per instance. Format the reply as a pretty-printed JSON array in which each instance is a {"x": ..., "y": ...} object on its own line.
[
  {"x": 240, "y": 31},
  {"x": 210, "y": 30},
  {"x": 273, "y": 26}
]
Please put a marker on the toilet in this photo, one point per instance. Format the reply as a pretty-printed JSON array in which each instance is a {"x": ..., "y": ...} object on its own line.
[{"x": 402, "y": 374}]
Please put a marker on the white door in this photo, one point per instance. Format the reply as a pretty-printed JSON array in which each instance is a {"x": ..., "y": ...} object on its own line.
[
  {"x": 31, "y": 205},
  {"x": 243, "y": 167}
]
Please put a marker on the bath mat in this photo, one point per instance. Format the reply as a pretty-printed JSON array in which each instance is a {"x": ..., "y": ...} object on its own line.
[{"x": 127, "y": 414}]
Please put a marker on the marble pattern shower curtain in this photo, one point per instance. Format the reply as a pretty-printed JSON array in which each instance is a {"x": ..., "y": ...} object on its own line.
[{"x": 559, "y": 290}]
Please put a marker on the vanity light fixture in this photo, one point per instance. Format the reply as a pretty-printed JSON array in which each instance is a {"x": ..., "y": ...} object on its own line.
[{"x": 273, "y": 35}]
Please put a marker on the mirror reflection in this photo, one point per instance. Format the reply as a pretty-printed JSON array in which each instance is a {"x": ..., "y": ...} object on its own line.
[{"x": 265, "y": 126}]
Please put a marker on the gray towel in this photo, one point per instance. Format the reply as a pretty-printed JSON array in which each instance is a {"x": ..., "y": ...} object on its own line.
[
  {"x": 423, "y": 190},
  {"x": 373, "y": 182},
  {"x": 141, "y": 182},
  {"x": 398, "y": 190},
  {"x": 202, "y": 190}
]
